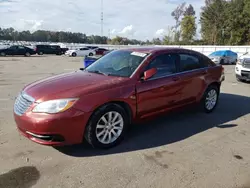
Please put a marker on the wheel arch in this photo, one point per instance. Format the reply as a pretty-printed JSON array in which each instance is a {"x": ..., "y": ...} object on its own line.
[
  {"x": 214, "y": 83},
  {"x": 122, "y": 104},
  {"x": 217, "y": 84}
]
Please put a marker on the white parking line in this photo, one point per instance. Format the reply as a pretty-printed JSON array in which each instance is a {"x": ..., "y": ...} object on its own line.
[{"x": 4, "y": 99}]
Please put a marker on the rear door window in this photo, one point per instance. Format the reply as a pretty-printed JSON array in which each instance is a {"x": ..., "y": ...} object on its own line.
[
  {"x": 82, "y": 49},
  {"x": 190, "y": 62}
]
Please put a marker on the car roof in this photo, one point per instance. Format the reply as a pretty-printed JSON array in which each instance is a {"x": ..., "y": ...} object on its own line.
[
  {"x": 157, "y": 49},
  {"x": 224, "y": 51}
]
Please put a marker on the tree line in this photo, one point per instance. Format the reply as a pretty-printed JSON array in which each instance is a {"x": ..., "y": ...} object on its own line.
[{"x": 222, "y": 22}]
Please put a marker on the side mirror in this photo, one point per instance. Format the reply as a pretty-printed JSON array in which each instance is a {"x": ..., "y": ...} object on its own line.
[{"x": 149, "y": 73}]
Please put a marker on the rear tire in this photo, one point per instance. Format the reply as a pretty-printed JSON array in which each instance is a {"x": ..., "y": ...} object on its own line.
[
  {"x": 3, "y": 54},
  {"x": 27, "y": 54},
  {"x": 40, "y": 53},
  {"x": 74, "y": 54},
  {"x": 104, "y": 130},
  {"x": 210, "y": 99},
  {"x": 91, "y": 54}
]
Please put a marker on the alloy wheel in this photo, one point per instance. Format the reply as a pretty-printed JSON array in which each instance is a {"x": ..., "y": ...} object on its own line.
[
  {"x": 211, "y": 99},
  {"x": 109, "y": 127}
]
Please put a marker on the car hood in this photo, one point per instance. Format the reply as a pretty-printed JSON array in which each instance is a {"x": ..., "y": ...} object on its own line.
[
  {"x": 244, "y": 57},
  {"x": 73, "y": 84}
]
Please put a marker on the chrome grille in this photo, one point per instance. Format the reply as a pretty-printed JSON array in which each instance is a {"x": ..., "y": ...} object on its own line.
[
  {"x": 246, "y": 65},
  {"x": 22, "y": 103}
]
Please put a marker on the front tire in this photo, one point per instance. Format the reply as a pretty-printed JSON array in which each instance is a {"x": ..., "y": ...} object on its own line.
[
  {"x": 107, "y": 126},
  {"x": 74, "y": 54},
  {"x": 222, "y": 62},
  {"x": 239, "y": 79},
  {"x": 210, "y": 99},
  {"x": 91, "y": 54}
]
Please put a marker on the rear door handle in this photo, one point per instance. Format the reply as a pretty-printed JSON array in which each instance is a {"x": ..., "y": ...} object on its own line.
[
  {"x": 204, "y": 72},
  {"x": 176, "y": 78}
]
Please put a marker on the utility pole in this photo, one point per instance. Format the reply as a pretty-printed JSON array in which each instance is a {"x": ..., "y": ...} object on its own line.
[{"x": 101, "y": 17}]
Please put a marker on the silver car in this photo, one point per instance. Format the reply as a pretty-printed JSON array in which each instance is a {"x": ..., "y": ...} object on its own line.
[{"x": 224, "y": 57}]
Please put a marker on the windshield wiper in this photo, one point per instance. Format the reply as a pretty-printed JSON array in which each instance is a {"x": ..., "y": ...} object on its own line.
[{"x": 99, "y": 72}]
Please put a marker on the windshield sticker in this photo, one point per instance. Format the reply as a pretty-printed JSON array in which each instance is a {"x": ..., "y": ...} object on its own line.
[{"x": 138, "y": 54}]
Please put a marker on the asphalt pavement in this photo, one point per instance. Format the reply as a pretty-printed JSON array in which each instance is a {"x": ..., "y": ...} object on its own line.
[{"x": 184, "y": 149}]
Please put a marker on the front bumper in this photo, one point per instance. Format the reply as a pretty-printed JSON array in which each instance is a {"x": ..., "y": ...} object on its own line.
[
  {"x": 242, "y": 73},
  {"x": 65, "y": 128}
]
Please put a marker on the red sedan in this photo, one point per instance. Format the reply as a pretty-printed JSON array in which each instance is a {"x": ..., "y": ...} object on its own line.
[
  {"x": 101, "y": 101},
  {"x": 101, "y": 51}
]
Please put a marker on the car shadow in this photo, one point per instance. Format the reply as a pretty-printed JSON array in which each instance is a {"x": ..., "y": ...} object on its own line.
[{"x": 171, "y": 128}]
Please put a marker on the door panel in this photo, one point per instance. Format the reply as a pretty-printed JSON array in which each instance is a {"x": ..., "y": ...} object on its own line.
[
  {"x": 193, "y": 84},
  {"x": 20, "y": 50},
  {"x": 156, "y": 95},
  {"x": 12, "y": 50},
  {"x": 192, "y": 73}
]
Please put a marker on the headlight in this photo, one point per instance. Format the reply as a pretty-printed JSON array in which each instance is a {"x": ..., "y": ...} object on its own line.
[
  {"x": 239, "y": 62},
  {"x": 54, "y": 106}
]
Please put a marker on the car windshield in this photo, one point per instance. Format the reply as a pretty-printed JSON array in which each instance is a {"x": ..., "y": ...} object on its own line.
[
  {"x": 246, "y": 60},
  {"x": 118, "y": 63}
]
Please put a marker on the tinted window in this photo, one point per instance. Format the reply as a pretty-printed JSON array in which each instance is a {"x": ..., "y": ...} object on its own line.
[
  {"x": 165, "y": 65},
  {"x": 207, "y": 62},
  {"x": 55, "y": 47},
  {"x": 84, "y": 49},
  {"x": 189, "y": 62},
  {"x": 13, "y": 47},
  {"x": 21, "y": 47},
  {"x": 42, "y": 46}
]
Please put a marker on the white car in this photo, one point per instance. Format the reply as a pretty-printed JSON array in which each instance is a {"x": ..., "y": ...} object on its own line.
[
  {"x": 242, "y": 68},
  {"x": 81, "y": 52}
]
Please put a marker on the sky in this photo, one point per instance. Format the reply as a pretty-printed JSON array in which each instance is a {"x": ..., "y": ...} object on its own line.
[{"x": 139, "y": 19}]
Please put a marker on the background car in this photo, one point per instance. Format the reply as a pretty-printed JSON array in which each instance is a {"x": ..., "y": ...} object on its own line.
[
  {"x": 17, "y": 50},
  {"x": 48, "y": 49},
  {"x": 92, "y": 47},
  {"x": 64, "y": 50},
  {"x": 101, "y": 51},
  {"x": 242, "y": 68},
  {"x": 81, "y": 52},
  {"x": 224, "y": 57},
  {"x": 89, "y": 60}
]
